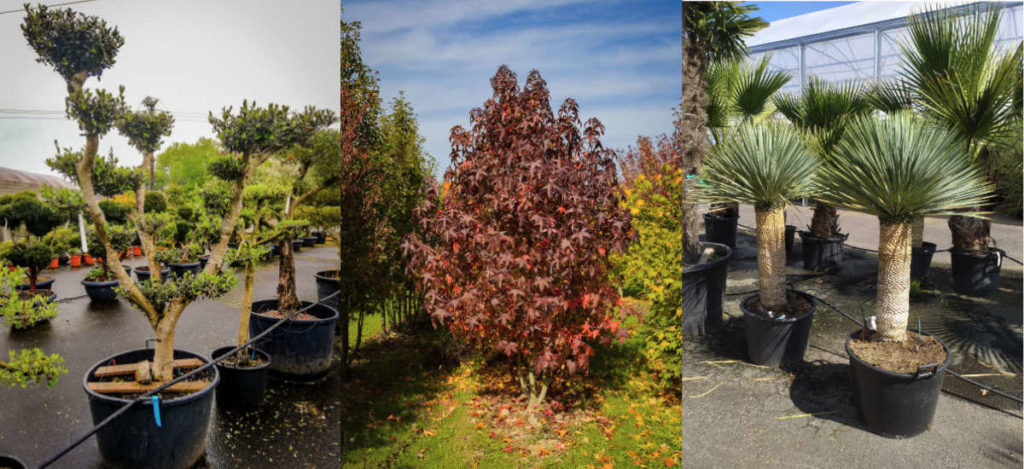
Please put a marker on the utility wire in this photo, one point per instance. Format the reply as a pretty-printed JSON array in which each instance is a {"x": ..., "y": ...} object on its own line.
[{"x": 51, "y": 5}]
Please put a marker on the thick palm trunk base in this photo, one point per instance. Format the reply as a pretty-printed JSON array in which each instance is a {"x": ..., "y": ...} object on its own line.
[
  {"x": 917, "y": 232},
  {"x": 691, "y": 129},
  {"x": 825, "y": 222},
  {"x": 892, "y": 306},
  {"x": 771, "y": 257},
  {"x": 970, "y": 232}
]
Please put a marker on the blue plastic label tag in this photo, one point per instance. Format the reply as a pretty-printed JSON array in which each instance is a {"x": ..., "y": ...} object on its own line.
[{"x": 156, "y": 410}]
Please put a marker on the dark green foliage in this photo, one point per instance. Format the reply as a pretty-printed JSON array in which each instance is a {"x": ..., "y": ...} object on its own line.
[
  {"x": 254, "y": 130},
  {"x": 155, "y": 202},
  {"x": 176, "y": 255},
  {"x": 227, "y": 167},
  {"x": 145, "y": 128},
  {"x": 120, "y": 238},
  {"x": 96, "y": 112},
  {"x": 29, "y": 211},
  {"x": 72, "y": 43},
  {"x": 114, "y": 211},
  {"x": 31, "y": 367},
  {"x": 721, "y": 28},
  {"x": 32, "y": 255},
  {"x": 188, "y": 287},
  {"x": 68, "y": 203},
  {"x": 108, "y": 178}
]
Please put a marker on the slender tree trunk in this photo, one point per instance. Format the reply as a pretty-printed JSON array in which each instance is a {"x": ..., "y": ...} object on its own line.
[
  {"x": 825, "y": 221},
  {"x": 917, "y": 232},
  {"x": 691, "y": 129},
  {"x": 163, "y": 369},
  {"x": 893, "y": 302},
  {"x": 970, "y": 232},
  {"x": 288, "y": 300},
  {"x": 771, "y": 257},
  {"x": 345, "y": 311},
  {"x": 243, "y": 322}
]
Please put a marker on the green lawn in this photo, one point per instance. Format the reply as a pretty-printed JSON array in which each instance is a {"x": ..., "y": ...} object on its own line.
[{"x": 409, "y": 403}]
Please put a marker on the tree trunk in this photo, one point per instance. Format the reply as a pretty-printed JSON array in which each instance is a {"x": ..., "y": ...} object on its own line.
[
  {"x": 691, "y": 128},
  {"x": 535, "y": 390},
  {"x": 243, "y": 322},
  {"x": 343, "y": 319},
  {"x": 771, "y": 257},
  {"x": 917, "y": 232},
  {"x": 825, "y": 221},
  {"x": 163, "y": 368},
  {"x": 970, "y": 232},
  {"x": 288, "y": 300},
  {"x": 892, "y": 305}
]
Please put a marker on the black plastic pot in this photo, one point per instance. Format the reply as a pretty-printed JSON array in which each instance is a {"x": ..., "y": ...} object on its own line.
[
  {"x": 142, "y": 273},
  {"x": 47, "y": 285},
  {"x": 179, "y": 269},
  {"x": 775, "y": 342},
  {"x": 202, "y": 262},
  {"x": 822, "y": 254},
  {"x": 326, "y": 284},
  {"x": 63, "y": 259},
  {"x": 299, "y": 349},
  {"x": 790, "y": 232},
  {"x": 133, "y": 439},
  {"x": 103, "y": 291},
  {"x": 275, "y": 249},
  {"x": 241, "y": 388},
  {"x": 12, "y": 462},
  {"x": 704, "y": 292},
  {"x": 896, "y": 405},
  {"x": 719, "y": 229},
  {"x": 297, "y": 244},
  {"x": 920, "y": 260},
  {"x": 309, "y": 241},
  {"x": 976, "y": 273},
  {"x": 321, "y": 237}
]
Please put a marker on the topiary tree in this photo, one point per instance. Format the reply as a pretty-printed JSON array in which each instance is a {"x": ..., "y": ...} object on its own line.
[
  {"x": 38, "y": 219},
  {"x": 27, "y": 366},
  {"x": 119, "y": 237},
  {"x": 899, "y": 168},
  {"x": 516, "y": 253},
  {"x": 254, "y": 134}
]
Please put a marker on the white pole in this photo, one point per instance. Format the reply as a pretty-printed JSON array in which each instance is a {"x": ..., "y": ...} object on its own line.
[
  {"x": 287, "y": 202},
  {"x": 81, "y": 233}
]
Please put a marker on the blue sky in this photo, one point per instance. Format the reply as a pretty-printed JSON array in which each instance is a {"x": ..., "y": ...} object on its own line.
[
  {"x": 620, "y": 60},
  {"x": 772, "y": 11}
]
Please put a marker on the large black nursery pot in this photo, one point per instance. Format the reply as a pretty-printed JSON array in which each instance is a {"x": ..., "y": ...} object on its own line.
[
  {"x": 327, "y": 283},
  {"x": 790, "y": 232},
  {"x": 921, "y": 260},
  {"x": 142, "y": 273},
  {"x": 976, "y": 273},
  {"x": 309, "y": 241},
  {"x": 297, "y": 244},
  {"x": 178, "y": 269},
  {"x": 134, "y": 441},
  {"x": 103, "y": 291},
  {"x": 202, "y": 262},
  {"x": 321, "y": 237},
  {"x": 704, "y": 292},
  {"x": 299, "y": 349},
  {"x": 275, "y": 249},
  {"x": 822, "y": 254},
  {"x": 896, "y": 405},
  {"x": 777, "y": 342},
  {"x": 241, "y": 388},
  {"x": 11, "y": 462},
  {"x": 720, "y": 229}
]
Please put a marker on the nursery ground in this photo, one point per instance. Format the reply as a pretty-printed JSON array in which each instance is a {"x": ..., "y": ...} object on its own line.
[
  {"x": 806, "y": 418},
  {"x": 411, "y": 402},
  {"x": 296, "y": 427}
]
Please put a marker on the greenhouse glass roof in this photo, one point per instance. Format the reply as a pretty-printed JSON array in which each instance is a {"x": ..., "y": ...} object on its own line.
[{"x": 859, "y": 41}]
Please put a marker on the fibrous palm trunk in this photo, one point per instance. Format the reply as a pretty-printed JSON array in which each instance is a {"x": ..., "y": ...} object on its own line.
[
  {"x": 692, "y": 131},
  {"x": 771, "y": 257},
  {"x": 825, "y": 221},
  {"x": 917, "y": 232},
  {"x": 893, "y": 303},
  {"x": 970, "y": 232}
]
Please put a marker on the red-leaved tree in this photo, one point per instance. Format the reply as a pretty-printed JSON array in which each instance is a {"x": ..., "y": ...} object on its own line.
[{"x": 515, "y": 256}]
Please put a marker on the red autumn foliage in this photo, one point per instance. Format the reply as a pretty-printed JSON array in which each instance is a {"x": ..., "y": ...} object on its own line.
[{"x": 516, "y": 252}]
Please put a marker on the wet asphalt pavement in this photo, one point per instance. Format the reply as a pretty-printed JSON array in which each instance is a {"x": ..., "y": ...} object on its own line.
[{"x": 297, "y": 426}]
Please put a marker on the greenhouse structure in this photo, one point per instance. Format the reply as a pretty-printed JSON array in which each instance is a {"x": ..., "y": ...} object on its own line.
[{"x": 859, "y": 41}]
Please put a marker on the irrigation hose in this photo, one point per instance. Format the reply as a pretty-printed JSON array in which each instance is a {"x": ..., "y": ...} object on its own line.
[{"x": 146, "y": 396}]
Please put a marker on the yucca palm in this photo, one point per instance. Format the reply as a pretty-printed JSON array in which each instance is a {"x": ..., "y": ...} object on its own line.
[
  {"x": 712, "y": 31},
  {"x": 764, "y": 164},
  {"x": 897, "y": 168},
  {"x": 957, "y": 76},
  {"x": 823, "y": 111}
]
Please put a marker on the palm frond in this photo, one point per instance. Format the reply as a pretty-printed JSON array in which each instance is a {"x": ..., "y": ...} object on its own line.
[
  {"x": 762, "y": 163},
  {"x": 721, "y": 28},
  {"x": 900, "y": 167},
  {"x": 824, "y": 108}
]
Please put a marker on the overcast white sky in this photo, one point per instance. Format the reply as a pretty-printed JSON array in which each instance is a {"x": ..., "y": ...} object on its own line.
[
  {"x": 195, "y": 56},
  {"x": 618, "y": 58}
]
